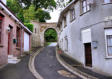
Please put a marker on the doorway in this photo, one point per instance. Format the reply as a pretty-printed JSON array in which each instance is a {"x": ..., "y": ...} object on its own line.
[
  {"x": 9, "y": 39},
  {"x": 88, "y": 54}
]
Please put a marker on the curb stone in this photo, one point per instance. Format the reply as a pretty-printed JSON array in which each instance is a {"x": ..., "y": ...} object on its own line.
[
  {"x": 72, "y": 69},
  {"x": 32, "y": 66}
]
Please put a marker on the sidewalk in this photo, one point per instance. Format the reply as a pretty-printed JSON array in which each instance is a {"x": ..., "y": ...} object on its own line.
[
  {"x": 78, "y": 68},
  {"x": 17, "y": 71}
]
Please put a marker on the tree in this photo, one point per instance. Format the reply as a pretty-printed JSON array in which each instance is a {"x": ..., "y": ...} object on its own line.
[
  {"x": 42, "y": 15},
  {"x": 63, "y": 3},
  {"x": 29, "y": 14},
  {"x": 46, "y": 4},
  {"x": 16, "y": 8},
  {"x": 29, "y": 26},
  {"x": 50, "y": 35}
]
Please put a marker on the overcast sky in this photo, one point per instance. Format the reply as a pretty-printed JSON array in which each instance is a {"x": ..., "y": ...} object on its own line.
[
  {"x": 54, "y": 16},
  {"x": 56, "y": 13}
]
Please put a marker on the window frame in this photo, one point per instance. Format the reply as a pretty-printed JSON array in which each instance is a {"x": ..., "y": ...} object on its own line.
[
  {"x": 72, "y": 14},
  {"x": 65, "y": 21},
  {"x": 86, "y": 6},
  {"x": 107, "y": 33},
  {"x": 107, "y": 46},
  {"x": 107, "y": 2}
]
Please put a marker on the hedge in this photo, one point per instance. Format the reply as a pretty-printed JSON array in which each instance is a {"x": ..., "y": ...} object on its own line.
[{"x": 29, "y": 26}]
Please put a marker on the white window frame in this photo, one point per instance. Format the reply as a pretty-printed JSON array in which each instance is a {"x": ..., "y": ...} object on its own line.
[
  {"x": 72, "y": 14},
  {"x": 85, "y": 7},
  {"x": 107, "y": 32},
  {"x": 107, "y": 1}
]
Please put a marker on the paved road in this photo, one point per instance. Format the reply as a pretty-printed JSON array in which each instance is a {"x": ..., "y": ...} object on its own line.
[
  {"x": 49, "y": 68},
  {"x": 17, "y": 71},
  {"x": 53, "y": 44}
]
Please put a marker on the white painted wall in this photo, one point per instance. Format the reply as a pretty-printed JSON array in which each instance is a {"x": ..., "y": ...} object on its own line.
[{"x": 26, "y": 41}]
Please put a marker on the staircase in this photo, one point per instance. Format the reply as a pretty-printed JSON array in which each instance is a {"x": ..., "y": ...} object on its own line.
[{"x": 12, "y": 59}]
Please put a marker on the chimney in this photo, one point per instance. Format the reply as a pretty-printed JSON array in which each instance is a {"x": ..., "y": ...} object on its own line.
[{"x": 4, "y": 1}]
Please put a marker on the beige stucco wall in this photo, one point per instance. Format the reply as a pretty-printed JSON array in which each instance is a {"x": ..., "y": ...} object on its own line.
[{"x": 38, "y": 37}]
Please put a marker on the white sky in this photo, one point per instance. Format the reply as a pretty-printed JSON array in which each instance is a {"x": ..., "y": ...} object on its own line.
[
  {"x": 56, "y": 13},
  {"x": 54, "y": 16}
]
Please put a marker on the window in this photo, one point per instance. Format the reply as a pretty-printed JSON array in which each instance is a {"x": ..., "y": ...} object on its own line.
[
  {"x": 107, "y": 1},
  {"x": 65, "y": 22},
  {"x": 72, "y": 14},
  {"x": 1, "y": 19},
  {"x": 109, "y": 44},
  {"x": 18, "y": 37},
  {"x": 35, "y": 30},
  {"x": 85, "y": 6},
  {"x": 108, "y": 41}
]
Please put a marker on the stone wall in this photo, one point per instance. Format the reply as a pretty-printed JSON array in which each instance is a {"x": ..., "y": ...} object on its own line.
[{"x": 38, "y": 32}]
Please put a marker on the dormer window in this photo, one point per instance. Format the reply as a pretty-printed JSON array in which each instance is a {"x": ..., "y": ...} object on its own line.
[
  {"x": 85, "y": 6},
  {"x": 107, "y": 1}
]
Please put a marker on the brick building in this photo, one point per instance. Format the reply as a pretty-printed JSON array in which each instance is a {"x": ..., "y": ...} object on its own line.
[{"x": 14, "y": 36}]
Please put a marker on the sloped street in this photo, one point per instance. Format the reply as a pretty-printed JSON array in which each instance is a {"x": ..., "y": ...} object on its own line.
[{"x": 49, "y": 68}]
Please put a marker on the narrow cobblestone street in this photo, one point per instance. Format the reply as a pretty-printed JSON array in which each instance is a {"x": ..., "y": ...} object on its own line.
[{"x": 49, "y": 68}]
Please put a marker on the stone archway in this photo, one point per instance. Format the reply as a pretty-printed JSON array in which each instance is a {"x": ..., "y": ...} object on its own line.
[
  {"x": 48, "y": 26},
  {"x": 39, "y": 30}
]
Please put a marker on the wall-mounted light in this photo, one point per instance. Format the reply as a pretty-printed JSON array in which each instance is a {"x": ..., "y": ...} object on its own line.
[{"x": 8, "y": 29}]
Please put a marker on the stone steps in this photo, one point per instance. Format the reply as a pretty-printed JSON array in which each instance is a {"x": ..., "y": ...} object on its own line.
[{"x": 13, "y": 60}]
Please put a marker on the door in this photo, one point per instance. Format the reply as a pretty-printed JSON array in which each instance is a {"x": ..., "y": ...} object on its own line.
[
  {"x": 88, "y": 54},
  {"x": 26, "y": 41},
  {"x": 9, "y": 37}
]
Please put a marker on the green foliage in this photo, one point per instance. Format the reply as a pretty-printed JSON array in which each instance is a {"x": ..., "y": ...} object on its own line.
[
  {"x": 20, "y": 16},
  {"x": 29, "y": 26},
  {"x": 63, "y": 3},
  {"x": 25, "y": 15},
  {"x": 46, "y": 4},
  {"x": 29, "y": 14},
  {"x": 42, "y": 15},
  {"x": 16, "y": 8},
  {"x": 50, "y": 35}
]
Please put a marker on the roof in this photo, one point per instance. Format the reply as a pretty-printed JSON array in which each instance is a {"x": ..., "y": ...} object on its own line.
[
  {"x": 65, "y": 10},
  {"x": 7, "y": 10}
]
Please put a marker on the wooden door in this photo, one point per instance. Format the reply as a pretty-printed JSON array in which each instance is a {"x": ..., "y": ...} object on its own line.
[
  {"x": 9, "y": 34},
  {"x": 88, "y": 55}
]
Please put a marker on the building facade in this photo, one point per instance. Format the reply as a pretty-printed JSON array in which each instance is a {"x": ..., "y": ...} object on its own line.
[
  {"x": 86, "y": 33},
  {"x": 12, "y": 35}
]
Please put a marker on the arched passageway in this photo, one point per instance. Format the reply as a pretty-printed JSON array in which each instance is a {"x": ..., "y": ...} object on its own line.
[{"x": 50, "y": 35}]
